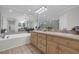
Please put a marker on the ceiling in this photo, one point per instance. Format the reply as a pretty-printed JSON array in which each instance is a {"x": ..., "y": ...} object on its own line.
[{"x": 53, "y": 10}]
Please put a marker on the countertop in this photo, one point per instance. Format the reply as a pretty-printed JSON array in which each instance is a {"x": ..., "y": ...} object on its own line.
[{"x": 67, "y": 35}]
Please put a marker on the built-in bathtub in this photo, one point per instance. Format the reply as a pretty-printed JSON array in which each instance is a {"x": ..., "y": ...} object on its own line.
[{"x": 14, "y": 40}]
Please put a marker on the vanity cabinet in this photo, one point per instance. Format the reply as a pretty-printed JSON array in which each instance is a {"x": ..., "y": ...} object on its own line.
[{"x": 54, "y": 44}]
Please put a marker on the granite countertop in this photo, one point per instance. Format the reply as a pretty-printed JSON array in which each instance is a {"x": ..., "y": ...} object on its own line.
[{"x": 67, "y": 35}]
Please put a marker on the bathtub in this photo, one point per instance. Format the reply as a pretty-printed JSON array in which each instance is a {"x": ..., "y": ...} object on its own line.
[{"x": 14, "y": 40}]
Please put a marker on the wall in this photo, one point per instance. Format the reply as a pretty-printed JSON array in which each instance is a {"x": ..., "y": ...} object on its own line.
[
  {"x": 69, "y": 19},
  {"x": 0, "y": 18}
]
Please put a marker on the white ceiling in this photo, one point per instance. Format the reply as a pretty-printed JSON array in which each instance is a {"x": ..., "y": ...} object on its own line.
[{"x": 53, "y": 10}]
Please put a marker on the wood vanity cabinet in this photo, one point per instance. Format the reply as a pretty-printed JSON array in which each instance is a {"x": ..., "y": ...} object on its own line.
[
  {"x": 34, "y": 38},
  {"x": 53, "y": 44}
]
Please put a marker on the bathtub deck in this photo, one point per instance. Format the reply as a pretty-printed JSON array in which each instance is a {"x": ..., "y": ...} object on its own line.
[{"x": 25, "y": 49}]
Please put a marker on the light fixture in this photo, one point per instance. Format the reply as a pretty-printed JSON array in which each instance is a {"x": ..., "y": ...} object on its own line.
[{"x": 41, "y": 10}]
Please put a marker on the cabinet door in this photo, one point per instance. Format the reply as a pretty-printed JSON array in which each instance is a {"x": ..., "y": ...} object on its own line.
[
  {"x": 42, "y": 42},
  {"x": 66, "y": 50},
  {"x": 52, "y": 47},
  {"x": 34, "y": 38}
]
